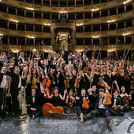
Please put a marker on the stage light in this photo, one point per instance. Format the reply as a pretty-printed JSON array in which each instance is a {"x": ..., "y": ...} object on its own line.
[
  {"x": 127, "y": 1},
  {"x": 110, "y": 21},
  {"x": 29, "y": 8},
  {"x": 30, "y": 37},
  {"x": 13, "y": 20},
  {"x": 95, "y": 36},
  {"x": 94, "y": 10}
]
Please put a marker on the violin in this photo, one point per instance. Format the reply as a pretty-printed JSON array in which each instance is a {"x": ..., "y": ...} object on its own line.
[
  {"x": 107, "y": 95},
  {"x": 34, "y": 86},
  {"x": 71, "y": 102},
  {"x": 132, "y": 84},
  {"x": 127, "y": 99},
  {"x": 86, "y": 70},
  {"x": 85, "y": 103},
  {"x": 66, "y": 83},
  {"x": 104, "y": 84},
  {"x": 46, "y": 83},
  {"x": 126, "y": 76},
  {"x": 107, "y": 98},
  {"x": 49, "y": 110},
  {"x": 116, "y": 107},
  {"x": 77, "y": 83}
]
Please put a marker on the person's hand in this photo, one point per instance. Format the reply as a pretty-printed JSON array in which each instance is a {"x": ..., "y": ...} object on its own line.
[
  {"x": 33, "y": 109},
  {"x": 115, "y": 82},
  {"x": 65, "y": 91}
]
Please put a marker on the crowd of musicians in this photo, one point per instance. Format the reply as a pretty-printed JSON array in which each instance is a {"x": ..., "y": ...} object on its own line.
[{"x": 74, "y": 81}]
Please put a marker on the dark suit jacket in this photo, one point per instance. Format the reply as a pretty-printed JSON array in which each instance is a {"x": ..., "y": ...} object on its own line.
[
  {"x": 35, "y": 104},
  {"x": 118, "y": 101}
]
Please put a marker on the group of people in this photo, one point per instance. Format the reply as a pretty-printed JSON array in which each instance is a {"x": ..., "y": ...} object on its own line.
[{"x": 72, "y": 80}]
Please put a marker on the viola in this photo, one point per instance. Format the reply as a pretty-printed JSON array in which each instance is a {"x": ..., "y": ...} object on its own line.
[
  {"x": 46, "y": 83},
  {"x": 50, "y": 110},
  {"x": 85, "y": 103}
]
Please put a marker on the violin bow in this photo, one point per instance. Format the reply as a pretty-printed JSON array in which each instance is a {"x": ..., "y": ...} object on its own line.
[{"x": 126, "y": 54}]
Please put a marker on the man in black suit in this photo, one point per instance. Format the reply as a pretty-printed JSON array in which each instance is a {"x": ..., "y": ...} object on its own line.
[
  {"x": 33, "y": 105},
  {"x": 116, "y": 108},
  {"x": 101, "y": 109},
  {"x": 15, "y": 88}
]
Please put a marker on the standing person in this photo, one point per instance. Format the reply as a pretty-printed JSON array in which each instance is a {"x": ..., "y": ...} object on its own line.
[
  {"x": 101, "y": 109},
  {"x": 3, "y": 86},
  {"x": 15, "y": 88}
]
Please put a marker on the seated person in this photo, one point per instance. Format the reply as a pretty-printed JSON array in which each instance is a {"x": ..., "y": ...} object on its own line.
[
  {"x": 101, "y": 110},
  {"x": 84, "y": 102},
  {"x": 33, "y": 105},
  {"x": 115, "y": 107},
  {"x": 71, "y": 103},
  {"x": 56, "y": 97}
]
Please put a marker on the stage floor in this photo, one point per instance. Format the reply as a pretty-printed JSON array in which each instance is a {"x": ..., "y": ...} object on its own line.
[{"x": 66, "y": 125}]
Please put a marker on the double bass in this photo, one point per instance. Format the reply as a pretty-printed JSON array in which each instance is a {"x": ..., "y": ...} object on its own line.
[{"x": 46, "y": 83}]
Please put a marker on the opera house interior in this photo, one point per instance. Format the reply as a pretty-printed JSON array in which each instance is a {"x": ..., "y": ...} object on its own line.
[
  {"x": 66, "y": 58},
  {"x": 103, "y": 25}
]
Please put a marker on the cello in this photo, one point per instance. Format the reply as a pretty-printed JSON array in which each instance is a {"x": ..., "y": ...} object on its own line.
[
  {"x": 46, "y": 83},
  {"x": 50, "y": 110}
]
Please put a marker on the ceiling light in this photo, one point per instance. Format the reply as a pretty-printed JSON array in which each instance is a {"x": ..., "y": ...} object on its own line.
[
  {"x": 1, "y": 34},
  {"x": 110, "y": 21},
  {"x": 93, "y": 10},
  {"x": 31, "y": 37},
  {"x": 29, "y": 8},
  {"x": 15, "y": 50},
  {"x": 110, "y": 50},
  {"x": 125, "y": 34},
  {"x": 127, "y": 1},
  {"x": 47, "y": 24},
  {"x": 13, "y": 20},
  {"x": 62, "y": 11},
  {"x": 79, "y": 24},
  {"x": 95, "y": 36}
]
